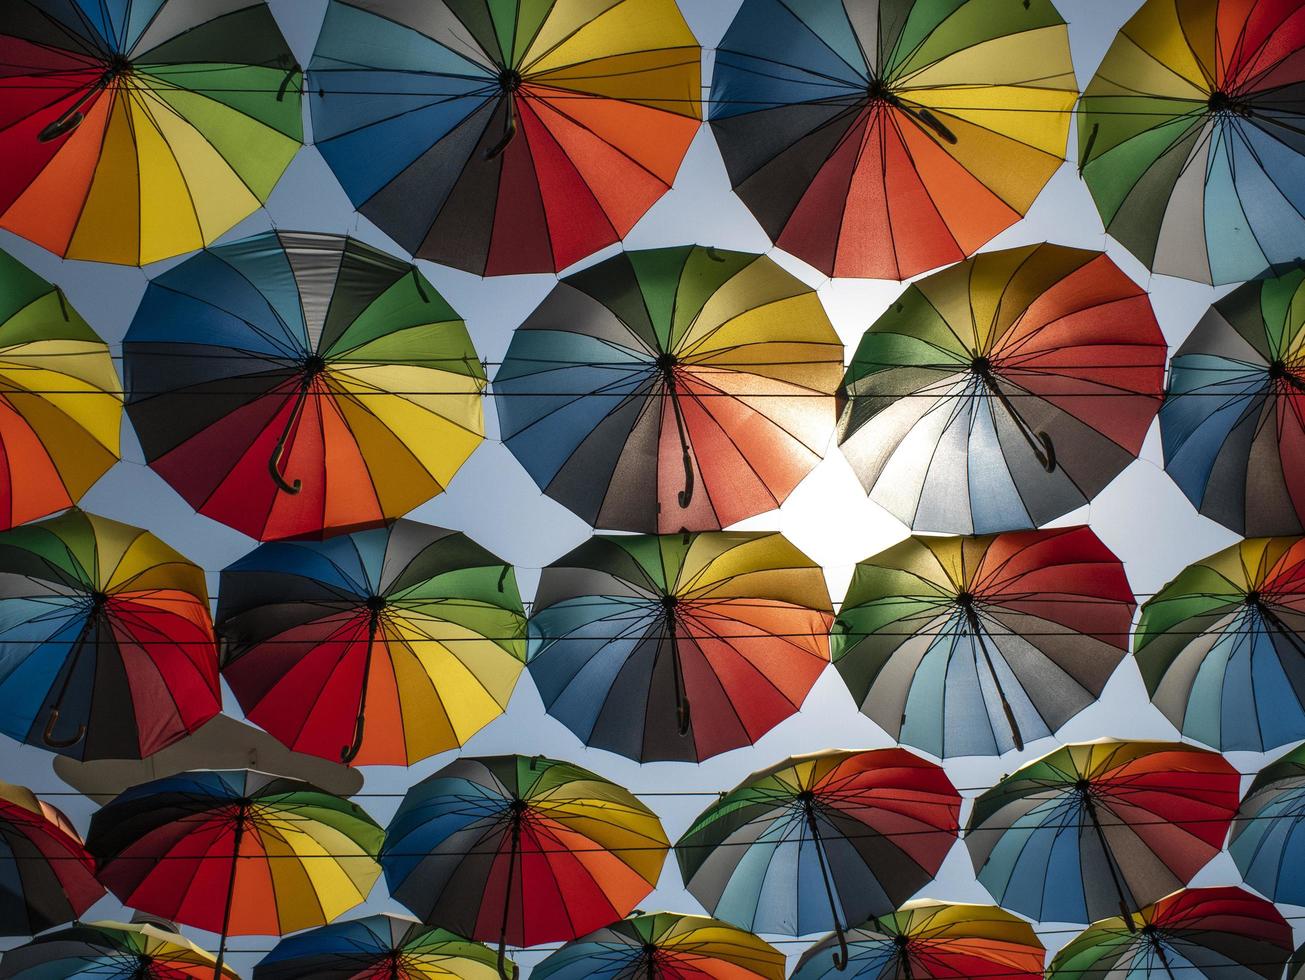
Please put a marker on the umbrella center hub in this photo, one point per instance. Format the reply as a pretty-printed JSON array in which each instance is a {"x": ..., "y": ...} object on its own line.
[
  {"x": 878, "y": 91},
  {"x": 314, "y": 364},
  {"x": 99, "y": 599},
  {"x": 376, "y": 603},
  {"x": 981, "y": 365},
  {"x": 1253, "y": 598},
  {"x": 1278, "y": 370},
  {"x": 116, "y": 67},
  {"x": 1222, "y": 103},
  {"x": 1083, "y": 786},
  {"x": 965, "y": 599},
  {"x": 901, "y": 942},
  {"x": 666, "y": 363},
  {"x": 509, "y": 80},
  {"x": 517, "y": 809}
]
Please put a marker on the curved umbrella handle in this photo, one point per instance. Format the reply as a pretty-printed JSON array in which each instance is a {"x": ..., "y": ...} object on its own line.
[
  {"x": 503, "y": 971},
  {"x": 274, "y": 468},
  {"x": 1048, "y": 457},
  {"x": 682, "y": 717},
  {"x": 350, "y": 751},
  {"x": 840, "y": 954},
  {"x": 686, "y": 495},
  {"x": 285, "y": 82},
  {"x": 58, "y": 743},
  {"x": 60, "y": 127},
  {"x": 509, "y": 131},
  {"x": 936, "y": 124}
]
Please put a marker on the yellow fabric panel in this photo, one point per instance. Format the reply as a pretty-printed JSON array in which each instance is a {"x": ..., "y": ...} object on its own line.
[
  {"x": 767, "y": 567},
  {"x": 78, "y": 456},
  {"x": 169, "y": 224},
  {"x": 633, "y": 833},
  {"x": 130, "y": 558},
  {"x": 1157, "y": 28},
  {"x": 755, "y": 285},
  {"x": 668, "y": 79},
  {"x": 566, "y": 17},
  {"x": 792, "y": 320},
  {"x": 1035, "y": 117},
  {"x": 635, "y": 25},
  {"x": 108, "y": 228},
  {"x": 331, "y": 876},
  {"x": 1032, "y": 59},
  {"x": 1144, "y": 75},
  {"x": 76, "y": 377},
  {"x": 473, "y": 676}
]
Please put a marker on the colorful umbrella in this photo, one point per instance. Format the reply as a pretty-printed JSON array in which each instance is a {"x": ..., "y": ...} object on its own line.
[
  {"x": 294, "y": 383},
  {"x": 1101, "y": 827},
  {"x": 671, "y": 388},
  {"x": 821, "y": 841},
  {"x": 1267, "y": 841},
  {"x": 1220, "y": 648},
  {"x": 106, "y": 646},
  {"x": 134, "y": 131},
  {"x": 1233, "y": 421},
  {"x": 505, "y": 136},
  {"x": 379, "y": 946},
  {"x": 236, "y": 852},
  {"x": 881, "y": 139},
  {"x": 665, "y": 946},
  {"x": 679, "y": 646},
  {"x": 973, "y": 646},
  {"x": 1003, "y": 392},
  {"x": 1190, "y": 137},
  {"x": 60, "y": 398},
  {"x": 111, "y": 951},
  {"x": 46, "y": 875},
  {"x": 380, "y": 647},
  {"x": 522, "y": 851},
  {"x": 1215, "y": 933},
  {"x": 927, "y": 939}
]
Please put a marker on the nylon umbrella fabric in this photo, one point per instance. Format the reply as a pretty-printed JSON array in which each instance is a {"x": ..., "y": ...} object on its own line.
[
  {"x": 678, "y": 647},
  {"x": 671, "y": 389},
  {"x": 1192, "y": 137},
  {"x": 236, "y": 852},
  {"x": 383, "y": 646},
  {"x": 393, "y": 946},
  {"x": 979, "y": 645},
  {"x": 1003, "y": 392},
  {"x": 47, "y": 877},
  {"x": 60, "y": 399},
  {"x": 926, "y": 939},
  {"x": 136, "y": 130},
  {"x": 664, "y": 946},
  {"x": 1099, "y": 828},
  {"x": 1233, "y": 421},
  {"x": 111, "y": 951},
  {"x": 503, "y": 136},
  {"x": 821, "y": 841},
  {"x": 883, "y": 139},
  {"x": 106, "y": 645},
  {"x": 1220, "y": 646},
  {"x": 1217, "y": 933},
  {"x": 1267, "y": 841},
  {"x": 297, "y": 384}
]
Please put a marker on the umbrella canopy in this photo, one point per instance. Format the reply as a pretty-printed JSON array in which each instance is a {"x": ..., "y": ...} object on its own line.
[
  {"x": 1215, "y": 933},
  {"x": 382, "y": 646},
  {"x": 1220, "y": 647},
  {"x": 1003, "y": 392},
  {"x": 134, "y": 131},
  {"x": 1296, "y": 968},
  {"x": 47, "y": 877},
  {"x": 821, "y": 841},
  {"x": 1101, "y": 827},
  {"x": 111, "y": 951},
  {"x": 106, "y": 646},
  {"x": 927, "y": 939},
  {"x": 882, "y": 138},
  {"x": 236, "y": 852},
  {"x": 505, "y": 137},
  {"x": 671, "y": 388},
  {"x": 379, "y": 946},
  {"x": 1267, "y": 841},
  {"x": 975, "y": 646},
  {"x": 521, "y": 850},
  {"x": 292, "y": 384},
  {"x": 60, "y": 398},
  {"x": 679, "y": 646},
  {"x": 1233, "y": 421},
  {"x": 1191, "y": 140},
  {"x": 665, "y": 946}
]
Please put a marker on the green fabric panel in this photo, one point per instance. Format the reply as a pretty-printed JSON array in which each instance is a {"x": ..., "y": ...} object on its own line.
[
  {"x": 531, "y": 15},
  {"x": 503, "y": 14},
  {"x": 957, "y": 26},
  {"x": 1282, "y": 309},
  {"x": 615, "y": 284},
  {"x": 1120, "y": 161},
  {"x": 44, "y": 319},
  {"x": 478, "y": 18},
  {"x": 401, "y": 327},
  {"x": 658, "y": 274},
  {"x": 251, "y": 91},
  {"x": 19, "y": 286},
  {"x": 705, "y": 271}
]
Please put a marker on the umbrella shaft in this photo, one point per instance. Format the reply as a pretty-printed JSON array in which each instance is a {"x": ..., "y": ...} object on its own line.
[
  {"x": 1163, "y": 957},
  {"x": 1039, "y": 442},
  {"x": 677, "y": 680},
  {"x": 274, "y": 462},
  {"x": 231, "y": 890},
  {"x": 1124, "y": 910},
  {"x": 840, "y": 958},
  {"x": 977, "y": 629},
  {"x": 686, "y": 494},
  {"x": 92, "y": 621},
  {"x": 351, "y": 751},
  {"x": 507, "y": 896}
]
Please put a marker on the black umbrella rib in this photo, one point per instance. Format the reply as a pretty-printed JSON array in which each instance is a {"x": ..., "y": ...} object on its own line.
[
  {"x": 1090, "y": 805},
  {"x": 972, "y": 620}
]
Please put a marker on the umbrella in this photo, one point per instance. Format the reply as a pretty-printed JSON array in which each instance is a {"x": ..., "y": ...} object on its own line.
[
  {"x": 1101, "y": 827},
  {"x": 134, "y": 131},
  {"x": 1003, "y": 392},
  {"x": 1191, "y": 137},
  {"x": 671, "y": 388},
  {"x": 505, "y": 137},
  {"x": 821, "y": 841},
  {"x": 1296, "y": 968},
  {"x": 519, "y": 850},
  {"x": 1220, "y": 648},
  {"x": 678, "y": 646},
  {"x": 110, "y": 951},
  {"x": 291, "y": 384},
  {"x": 60, "y": 399},
  {"x": 1219, "y": 933},
  {"x": 415, "y": 628},
  {"x": 665, "y": 946},
  {"x": 927, "y": 939},
  {"x": 106, "y": 646},
  {"x": 169, "y": 847},
  {"x": 46, "y": 875},
  {"x": 1233, "y": 421},
  {"x": 974, "y": 646},
  {"x": 882, "y": 138},
  {"x": 1267, "y": 841},
  {"x": 379, "y": 946}
]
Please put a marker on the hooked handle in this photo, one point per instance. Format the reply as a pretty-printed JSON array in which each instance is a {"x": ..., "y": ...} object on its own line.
[
  {"x": 682, "y": 715},
  {"x": 509, "y": 131},
  {"x": 840, "y": 954},
  {"x": 274, "y": 468},
  {"x": 57, "y": 743}
]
